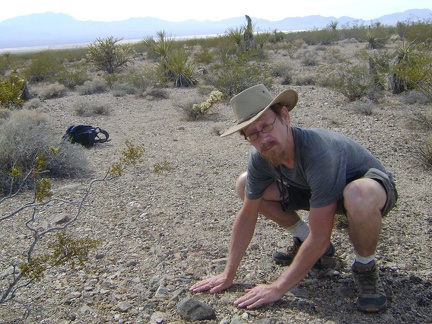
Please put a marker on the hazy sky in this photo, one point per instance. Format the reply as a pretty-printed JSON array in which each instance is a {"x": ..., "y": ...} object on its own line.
[{"x": 180, "y": 10}]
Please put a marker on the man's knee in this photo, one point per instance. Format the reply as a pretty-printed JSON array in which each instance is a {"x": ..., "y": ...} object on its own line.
[
  {"x": 364, "y": 194},
  {"x": 240, "y": 185}
]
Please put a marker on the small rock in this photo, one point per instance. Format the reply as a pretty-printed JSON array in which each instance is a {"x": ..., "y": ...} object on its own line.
[
  {"x": 193, "y": 310},
  {"x": 161, "y": 292},
  {"x": 158, "y": 318},
  {"x": 124, "y": 306},
  {"x": 60, "y": 219},
  {"x": 131, "y": 263}
]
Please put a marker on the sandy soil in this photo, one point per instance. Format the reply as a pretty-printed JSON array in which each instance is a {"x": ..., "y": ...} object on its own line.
[{"x": 160, "y": 233}]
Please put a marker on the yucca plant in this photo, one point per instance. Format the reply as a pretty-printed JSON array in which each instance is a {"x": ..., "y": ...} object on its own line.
[{"x": 177, "y": 69}]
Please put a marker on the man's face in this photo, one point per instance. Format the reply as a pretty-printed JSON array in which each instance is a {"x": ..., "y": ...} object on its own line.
[{"x": 266, "y": 135}]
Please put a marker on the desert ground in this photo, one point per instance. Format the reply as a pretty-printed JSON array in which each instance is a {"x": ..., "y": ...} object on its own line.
[{"x": 162, "y": 232}]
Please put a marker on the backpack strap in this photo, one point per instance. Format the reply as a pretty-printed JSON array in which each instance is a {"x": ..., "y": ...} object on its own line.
[{"x": 100, "y": 139}]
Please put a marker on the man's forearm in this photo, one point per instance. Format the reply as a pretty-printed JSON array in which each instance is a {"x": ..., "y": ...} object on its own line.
[{"x": 241, "y": 235}]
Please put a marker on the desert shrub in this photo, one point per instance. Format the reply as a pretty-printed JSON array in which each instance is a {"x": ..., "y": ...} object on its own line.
[
  {"x": 283, "y": 71},
  {"x": 161, "y": 168},
  {"x": 151, "y": 93},
  {"x": 314, "y": 37},
  {"x": 333, "y": 55},
  {"x": 160, "y": 48},
  {"x": 422, "y": 121},
  {"x": 25, "y": 137},
  {"x": 173, "y": 61},
  {"x": 92, "y": 87},
  {"x": 374, "y": 41},
  {"x": 235, "y": 34},
  {"x": 51, "y": 91},
  {"x": 413, "y": 96},
  {"x": 309, "y": 58},
  {"x": 354, "y": 82},
  {"x": 195, "y": 110},
  {"x": 425, "y": 153},
  {"x": 11, "y": 91},
  {"x": 74, "y": 76},
  {"x": 122, "y": 89},
  {"x": 364, "y": 107},
  {"x": 415, "y": 31},
  {"x": 177, "y": 68},
  {"x": 86, "y": 108},
  {"x": 33, "y": 221},
  {"x": 141, "y": 77},
  {"x": 106, "y": 55},
  {"x": 32, "y": 104},
  {"x": 238, "y": 73},
  {"x": 45, "y": 66},
  {"x": 415, "y": 67},
  {"x": 6, "y": 62},
  {"x": 275, "y": 36},
  {"x": 204, "y": 56},
  {"x": 304, "y": 79}
]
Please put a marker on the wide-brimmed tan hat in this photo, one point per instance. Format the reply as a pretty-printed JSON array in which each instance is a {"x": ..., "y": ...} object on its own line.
[{"x": 251, "y": 103}]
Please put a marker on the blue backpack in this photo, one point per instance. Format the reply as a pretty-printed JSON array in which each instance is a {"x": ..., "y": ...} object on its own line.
[{"x": 85, "y": 135}]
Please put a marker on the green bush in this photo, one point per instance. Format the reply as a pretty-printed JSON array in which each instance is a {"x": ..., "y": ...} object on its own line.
[
  {"x": 415, "y": 67},
  {"x": 24, "y": 138},
  {"x": 204, "y": 56},
  {"x": 11, "y": 91},
  {"x": 141, "y": 77},
  {"x": 283, "y": 71},
  {"x": 177, "y": 68},
  {"x": 44, "y": 66},
  {"x": 159, "y": 49},
  {"x": 237, "y": 73},
  {"x": 354, "y": 82},
  {"x": 6, "y": 62},
  {"x": 418, "y": 32},
  {"x": 106, "y": 55},
  {"x": 73, "y": 76}
]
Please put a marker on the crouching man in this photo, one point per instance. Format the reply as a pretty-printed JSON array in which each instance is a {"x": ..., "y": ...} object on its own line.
[{"x": 290, "y": 169}]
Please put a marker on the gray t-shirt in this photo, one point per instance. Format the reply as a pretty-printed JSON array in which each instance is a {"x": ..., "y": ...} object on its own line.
[{"x": 325, "y": 162}]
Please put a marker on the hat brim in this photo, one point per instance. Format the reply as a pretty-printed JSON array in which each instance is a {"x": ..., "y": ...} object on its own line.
[{"x": 287, "y": 98}]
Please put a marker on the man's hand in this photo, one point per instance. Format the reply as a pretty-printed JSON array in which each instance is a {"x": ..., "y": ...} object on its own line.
[
  {"x": 259, "y": 296},
  {"x": 213, "y": 284}
]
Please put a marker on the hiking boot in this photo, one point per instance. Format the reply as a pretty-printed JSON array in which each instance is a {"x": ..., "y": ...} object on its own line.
[
  {"x": 371, "y": 296},
  {"x": 285, "y": 259}
]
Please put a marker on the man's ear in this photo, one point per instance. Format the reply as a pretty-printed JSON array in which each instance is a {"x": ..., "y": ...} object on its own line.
[{"x": 285, "y": 114}]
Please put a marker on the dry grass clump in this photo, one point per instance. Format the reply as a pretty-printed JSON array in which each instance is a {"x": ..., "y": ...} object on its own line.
[
  {"x": 24, "y": 139},
  {"x": 51, "y": 91},
  {"x": 92, "y": 87},
  {"x": 32, "y": 104},
  {"x": 85, "y": 108}
]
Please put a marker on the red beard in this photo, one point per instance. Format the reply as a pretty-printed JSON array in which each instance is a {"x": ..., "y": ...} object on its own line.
[{"x": 271, "y": 154}]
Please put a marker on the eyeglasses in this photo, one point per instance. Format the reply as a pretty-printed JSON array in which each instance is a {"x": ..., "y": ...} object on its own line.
[{"x": 265, "y": 129}]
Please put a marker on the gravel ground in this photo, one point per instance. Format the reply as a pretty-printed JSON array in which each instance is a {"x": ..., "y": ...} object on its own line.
[{"x": 160, "y": 233}]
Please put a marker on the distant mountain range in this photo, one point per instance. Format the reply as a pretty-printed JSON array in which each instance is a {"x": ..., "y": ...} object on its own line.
[{"x": 54, "y": 29}]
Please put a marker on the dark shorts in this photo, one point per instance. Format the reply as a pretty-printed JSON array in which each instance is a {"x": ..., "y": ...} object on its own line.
[{"x": 298, "y": 199}]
